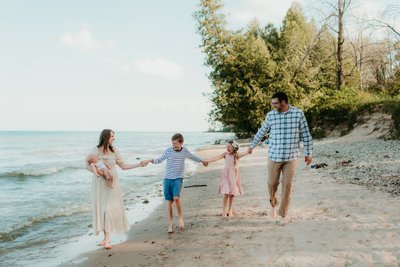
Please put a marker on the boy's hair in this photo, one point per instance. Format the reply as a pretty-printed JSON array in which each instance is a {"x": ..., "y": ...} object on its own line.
[
  {"x": 281, "y": 96},
  {"x": 178, "y": 137}
]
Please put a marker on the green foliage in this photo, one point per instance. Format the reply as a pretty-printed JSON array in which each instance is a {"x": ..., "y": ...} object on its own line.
[
  {"x": 341, "y": 109},
  {"x": 248, "y": 66},
  {"x": 241, "y": 71}
]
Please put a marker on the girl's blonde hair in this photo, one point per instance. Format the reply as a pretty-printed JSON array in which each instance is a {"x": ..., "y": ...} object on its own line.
[{"x": 235, "y": 146}]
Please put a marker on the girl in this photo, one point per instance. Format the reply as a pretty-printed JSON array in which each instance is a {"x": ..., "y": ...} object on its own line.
[{"x": 229, "y": 180}]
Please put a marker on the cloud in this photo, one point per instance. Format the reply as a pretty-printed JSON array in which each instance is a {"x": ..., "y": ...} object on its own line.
[
  {"x": 263, "y": 10},
  {"x": 155, "y": 67},
  {"x": 84, "y": 40}
]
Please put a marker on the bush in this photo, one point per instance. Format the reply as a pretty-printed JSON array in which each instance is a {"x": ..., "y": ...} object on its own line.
[{"x": 340, "y": 109}]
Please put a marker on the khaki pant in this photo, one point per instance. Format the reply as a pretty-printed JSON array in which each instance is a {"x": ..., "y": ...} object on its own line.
[{"x": 275, "y": 169}]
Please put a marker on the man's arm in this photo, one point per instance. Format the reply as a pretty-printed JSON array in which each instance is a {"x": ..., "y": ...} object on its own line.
[
  {"x": 306, "y": 138},
  {"x": 265, "y": 128}
]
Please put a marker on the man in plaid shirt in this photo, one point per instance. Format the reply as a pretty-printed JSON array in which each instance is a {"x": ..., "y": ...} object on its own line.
[{"x": 286, "y": 126}]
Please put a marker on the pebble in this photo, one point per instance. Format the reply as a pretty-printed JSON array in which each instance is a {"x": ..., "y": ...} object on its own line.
[{"x": 374, "y": 163}]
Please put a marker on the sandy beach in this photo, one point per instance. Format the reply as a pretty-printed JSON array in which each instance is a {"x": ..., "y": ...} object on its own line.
[{"x": 332, "y": 221}]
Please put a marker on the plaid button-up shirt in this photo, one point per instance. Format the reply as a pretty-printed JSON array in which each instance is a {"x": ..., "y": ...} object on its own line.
[{"x": 286, "y": 130}]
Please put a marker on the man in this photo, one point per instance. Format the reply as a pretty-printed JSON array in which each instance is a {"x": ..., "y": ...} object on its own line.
[{"x": 286, "y": 126}]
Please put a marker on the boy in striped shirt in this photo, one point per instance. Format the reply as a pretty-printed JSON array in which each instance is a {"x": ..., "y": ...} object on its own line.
[{"x": 173, "y": 178}]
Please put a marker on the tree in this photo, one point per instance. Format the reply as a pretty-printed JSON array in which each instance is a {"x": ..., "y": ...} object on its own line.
[
  {"x": 296, "y": 73},
  {"x": 241, "y": 70}
]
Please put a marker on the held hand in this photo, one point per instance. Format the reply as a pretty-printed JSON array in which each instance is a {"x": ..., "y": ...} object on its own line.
[
  {"x": 308, "y": 159},
  {"x": 250, "y": 150},
  {"x": 143, "y": 163}
]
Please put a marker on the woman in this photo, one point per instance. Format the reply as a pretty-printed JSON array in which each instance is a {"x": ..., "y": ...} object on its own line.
[{"x": 107, "y": 203}]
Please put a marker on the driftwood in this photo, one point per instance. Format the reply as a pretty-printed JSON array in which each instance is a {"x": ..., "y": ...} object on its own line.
[{"x": 195, "y": 185}]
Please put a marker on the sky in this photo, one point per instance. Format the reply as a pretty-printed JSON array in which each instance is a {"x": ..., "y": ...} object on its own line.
[{"x": 125, "y": 65}]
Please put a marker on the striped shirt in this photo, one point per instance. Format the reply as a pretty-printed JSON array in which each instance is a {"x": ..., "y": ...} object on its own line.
[
  {"x": 285, "y": 129},
  {"x": 175, "y": 162}
]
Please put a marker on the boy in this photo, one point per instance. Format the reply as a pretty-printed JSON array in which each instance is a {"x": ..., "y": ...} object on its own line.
[{"x": 175, "y": 157}]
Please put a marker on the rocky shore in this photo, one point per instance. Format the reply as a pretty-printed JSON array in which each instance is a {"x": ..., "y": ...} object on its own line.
[{"x": 374, "y": 163}]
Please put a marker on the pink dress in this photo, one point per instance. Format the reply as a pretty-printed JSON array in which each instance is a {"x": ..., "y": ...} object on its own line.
[{"x": 229, "y": 181}]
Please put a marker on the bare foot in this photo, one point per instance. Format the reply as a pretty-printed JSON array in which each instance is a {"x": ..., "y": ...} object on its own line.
[
  {"x": 101, "y": 244},
  {"x": 170, "y": 229},
  {"x": 274, "y": 212},
  {"x": 282, "y": 221},
  {"x": 181, "y": 225},
  {"x": 107, "y": 245}
]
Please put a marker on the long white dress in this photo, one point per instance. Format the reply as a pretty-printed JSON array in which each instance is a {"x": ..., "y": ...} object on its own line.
[{"x": 107, "y": 204}]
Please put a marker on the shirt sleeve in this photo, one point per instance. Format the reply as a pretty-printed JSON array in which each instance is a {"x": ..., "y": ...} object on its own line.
[
  {"x": 193, "y": 157},
  {"x": 118, "y": 157},
  {"x": 265, "y": 128},
  {"x": 163, "y": 157},
  {"x": 306, "y": 136}
]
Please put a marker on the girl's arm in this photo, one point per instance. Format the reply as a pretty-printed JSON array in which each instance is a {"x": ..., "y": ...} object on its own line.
[
  {"x": 216, "y": 158},
  {"x": 242, "y": 154}
]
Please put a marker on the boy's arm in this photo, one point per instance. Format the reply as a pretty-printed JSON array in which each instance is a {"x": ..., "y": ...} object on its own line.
[
  {"x": 193, "y": 157},
  {"x": 216, "y": 158},
  {"x": 196, "y": 158},
  {"x": 163, "y": 157}
]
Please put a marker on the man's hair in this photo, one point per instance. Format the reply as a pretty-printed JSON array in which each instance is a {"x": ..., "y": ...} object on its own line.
[
  {"x": 281, "y": 96},
  {"x": 178, "y": 137}
]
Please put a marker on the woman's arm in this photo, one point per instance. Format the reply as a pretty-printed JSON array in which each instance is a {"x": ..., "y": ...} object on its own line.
[
  {"x": 216, "y": 158},
  {"x": 125, "y": 166},
  {"x": 145, "y": 162}
]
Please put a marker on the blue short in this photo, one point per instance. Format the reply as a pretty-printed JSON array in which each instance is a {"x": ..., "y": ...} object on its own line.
[{"x": 172, "y": 188}]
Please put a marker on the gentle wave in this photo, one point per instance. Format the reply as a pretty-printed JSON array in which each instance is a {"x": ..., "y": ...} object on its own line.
[
  {"x": 36, "y": 172},
  {"x": 20, "y": 229}
]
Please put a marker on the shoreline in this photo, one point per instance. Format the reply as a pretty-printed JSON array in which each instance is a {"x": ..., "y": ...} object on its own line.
[{"x": 330, "y": 223}]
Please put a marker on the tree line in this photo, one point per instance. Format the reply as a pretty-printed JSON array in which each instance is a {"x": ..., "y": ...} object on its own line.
[{"x": 324, "y": 71}]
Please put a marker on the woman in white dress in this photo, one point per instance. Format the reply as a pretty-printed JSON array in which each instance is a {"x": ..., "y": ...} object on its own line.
[{"x": 107, "y": 203}]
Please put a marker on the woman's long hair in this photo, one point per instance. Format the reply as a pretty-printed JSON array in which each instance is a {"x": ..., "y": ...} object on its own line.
[{"x": 103, "y": 140}]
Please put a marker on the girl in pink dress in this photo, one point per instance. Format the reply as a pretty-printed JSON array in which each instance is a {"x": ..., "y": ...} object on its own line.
[{"x": 229, "y": 181}]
